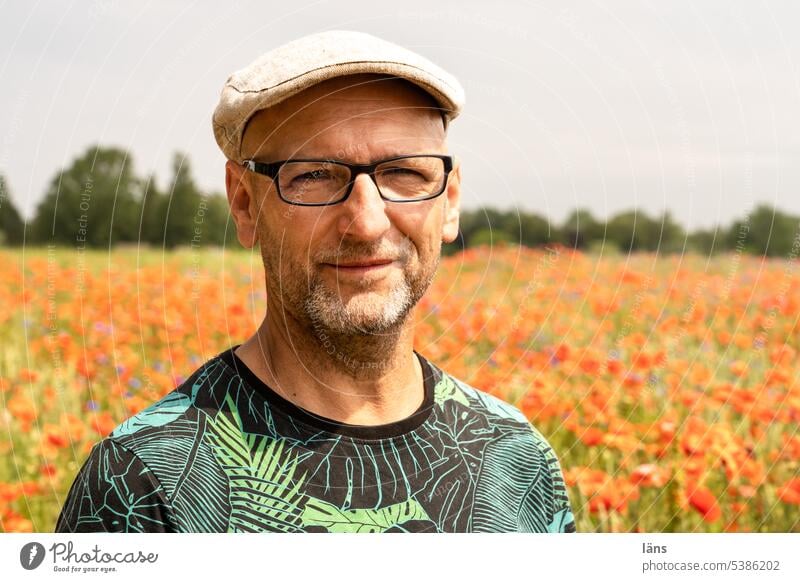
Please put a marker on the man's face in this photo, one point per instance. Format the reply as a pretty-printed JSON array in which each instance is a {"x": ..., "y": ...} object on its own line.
[{"x": 358, "y": 120}]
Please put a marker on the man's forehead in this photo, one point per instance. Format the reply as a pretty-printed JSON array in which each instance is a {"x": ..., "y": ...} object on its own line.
[
  {"x": 377, "y": 91},
  {"x": 322, "y": 108}
]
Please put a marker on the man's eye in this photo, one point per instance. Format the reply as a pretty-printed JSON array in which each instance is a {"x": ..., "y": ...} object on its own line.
[
  {"x": 402, "y": 172},
  {"x": 313, "y": 176}
]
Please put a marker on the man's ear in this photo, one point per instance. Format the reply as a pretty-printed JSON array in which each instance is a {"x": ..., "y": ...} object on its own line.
[
  {"x": 242, "y": 201},
  {"x": 452, "y": 205}
]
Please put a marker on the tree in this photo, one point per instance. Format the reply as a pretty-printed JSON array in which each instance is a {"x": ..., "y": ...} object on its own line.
[
  {"x": 152, "y": 213},
  {"x": 767, "y": 232},
  {"x": 528, "y": 229},
  {"x": 633, "y": 231},
  {"x": 671, "y": 237},
  {"x": 479, "y": 220},
  {"x": 707, "y": 242},
  {"x": 181, "y": 205},
  {"x": 12, "y": 227},
  {"x": 580, "y": 229},
  {"x": 487, "y": 236},
  {"x": 94, "y": 202}
]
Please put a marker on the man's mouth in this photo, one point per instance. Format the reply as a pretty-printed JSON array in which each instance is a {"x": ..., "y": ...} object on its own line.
[
  {"x": 362, "y": 266},
  {"x": 364, "y": 263}
]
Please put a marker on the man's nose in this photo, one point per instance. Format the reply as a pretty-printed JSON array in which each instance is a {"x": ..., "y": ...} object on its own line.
[{"x": 364, "y": 211}]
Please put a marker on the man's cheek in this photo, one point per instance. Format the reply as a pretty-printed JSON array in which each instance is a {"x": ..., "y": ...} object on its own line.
[{"x": 421, "y": 253}]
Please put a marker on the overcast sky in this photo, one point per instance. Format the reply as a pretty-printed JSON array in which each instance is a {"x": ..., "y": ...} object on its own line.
[{"x": 692, "y": 107}]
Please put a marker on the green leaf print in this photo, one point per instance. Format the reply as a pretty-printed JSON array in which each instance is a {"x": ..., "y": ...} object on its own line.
[
  {"x": 264, "y": 494},
  {"x": 446, "y": 389},
  {"x": 321, "y": 513},
  {"x": 165, "y": 411}
]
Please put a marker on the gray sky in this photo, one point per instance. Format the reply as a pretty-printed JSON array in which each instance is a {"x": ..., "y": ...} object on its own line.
[{"x": 692, "y": 107}]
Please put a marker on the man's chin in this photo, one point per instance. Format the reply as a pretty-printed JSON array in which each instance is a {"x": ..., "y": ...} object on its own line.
[
  {"x": 360, "y": 313},
  {"x": 348, "y": 286}
]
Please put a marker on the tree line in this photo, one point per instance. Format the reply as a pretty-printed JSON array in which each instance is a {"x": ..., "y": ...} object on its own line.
[
  {"x": 99, "y": 201},
  {"x": 763, "y": 231}
]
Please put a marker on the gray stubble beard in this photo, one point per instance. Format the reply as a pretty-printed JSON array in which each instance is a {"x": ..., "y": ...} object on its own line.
[{"x": 326, "y": 309}]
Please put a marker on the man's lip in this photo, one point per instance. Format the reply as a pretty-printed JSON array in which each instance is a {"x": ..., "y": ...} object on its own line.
[{"x": 370, "y": 263}]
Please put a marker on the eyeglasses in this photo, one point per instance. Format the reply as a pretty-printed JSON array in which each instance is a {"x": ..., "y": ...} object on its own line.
[{"x": 306, "y": 182}]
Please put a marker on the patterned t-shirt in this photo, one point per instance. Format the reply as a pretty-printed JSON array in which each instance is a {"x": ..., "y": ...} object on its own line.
[{"x": 223, "y": 452}]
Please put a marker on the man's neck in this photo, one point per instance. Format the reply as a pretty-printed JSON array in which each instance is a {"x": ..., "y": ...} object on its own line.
[{"x": 355, "y": 379}]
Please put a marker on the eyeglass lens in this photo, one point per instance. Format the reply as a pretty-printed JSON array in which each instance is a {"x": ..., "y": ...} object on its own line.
[{"x": 327, "y": 182}]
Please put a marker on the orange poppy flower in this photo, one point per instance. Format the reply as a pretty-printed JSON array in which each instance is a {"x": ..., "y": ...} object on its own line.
[
  {"x": 27, "y": 375},
  {"x": 48, "y": 470},
  {"x": 738, "y": 368},
  {"x": 23, "y": 409},
  {"x": 589, "y": 365},
  {"x": 615, "y": 367},
  {"x": 591, "y": 436},
  {"x": 103, "y": 423},
  {"x": 642, "y": 361},
  {"x": 55, "y": 436},
  {"x": 790, "y": 491},
  {"x": 703, "y": 500},
  {"x": 15, "y": 523},
  {"x": 650, "y": 475}
]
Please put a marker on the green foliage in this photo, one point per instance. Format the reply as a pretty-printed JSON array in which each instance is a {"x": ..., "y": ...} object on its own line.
[
  {"x": 764, "y": 232},
  {"x": 672, "y": 237},
  {"x": 580, "y": 229},
  {"x": 98, "y": 201},
  {"x": 631, "y": 231},
  {"x": 93, "y": 202},
  {"x": 634, "y": 230},
  {"x": 491, "y": 226},
  {"x": 183, "y": 209},
  {"x": 706, "y": 242},
  {"x": 12, "y": 227},
  {"x": 489, "y": 236},
  {"x": 152, "y": 215},
  {"x": 530, "y": 230}
]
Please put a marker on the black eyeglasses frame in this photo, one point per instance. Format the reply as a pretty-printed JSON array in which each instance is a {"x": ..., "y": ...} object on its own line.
[{"x": 271, "y": 170}]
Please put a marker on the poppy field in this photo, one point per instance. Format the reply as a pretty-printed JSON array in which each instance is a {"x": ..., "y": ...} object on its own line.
[{"x": 669, "y": 386}]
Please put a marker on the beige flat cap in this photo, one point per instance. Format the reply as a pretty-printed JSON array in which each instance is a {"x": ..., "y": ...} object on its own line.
[{"x": 297, "y": 65}]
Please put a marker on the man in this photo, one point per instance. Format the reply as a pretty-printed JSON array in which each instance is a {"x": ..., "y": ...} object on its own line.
[{"x": 327, "y": 419}]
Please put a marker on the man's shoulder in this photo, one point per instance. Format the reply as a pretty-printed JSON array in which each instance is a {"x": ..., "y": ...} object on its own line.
[
  {"x": 510, "y": 420},
  {"x": 175, "y": 414},
  {"x": 458, "y": 392},
  {"x": 519, "y": 464}
]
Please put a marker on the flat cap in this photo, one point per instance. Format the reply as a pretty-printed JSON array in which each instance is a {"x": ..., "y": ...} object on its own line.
[{"x": 297, "y": 65}]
